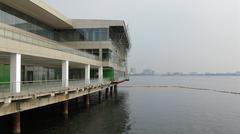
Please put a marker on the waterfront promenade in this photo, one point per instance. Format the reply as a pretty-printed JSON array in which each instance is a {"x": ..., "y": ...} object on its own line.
[{"x": 51, "y": 93}]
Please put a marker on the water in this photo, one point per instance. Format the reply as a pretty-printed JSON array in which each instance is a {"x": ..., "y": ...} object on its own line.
[{"x": 147, "y": 105}]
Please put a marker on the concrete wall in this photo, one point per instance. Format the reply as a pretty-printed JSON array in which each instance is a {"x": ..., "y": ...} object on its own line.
[
  {"x": 89, "y": 44},
  {"x": 14, "y": 46},
  {"x": 84, "y": 23}
]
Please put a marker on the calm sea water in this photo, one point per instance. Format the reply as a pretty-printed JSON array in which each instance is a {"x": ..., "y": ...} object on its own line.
[{"x": 146, "y": 105}]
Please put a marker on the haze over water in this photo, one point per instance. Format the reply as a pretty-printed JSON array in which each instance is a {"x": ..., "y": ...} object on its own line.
[{"x": 147, "y": 105}]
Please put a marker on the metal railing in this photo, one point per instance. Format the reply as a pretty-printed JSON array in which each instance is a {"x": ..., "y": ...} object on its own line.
[
  {"x": 34, "y": 40},
  {"x": 30, "y": 87},
  {"x": 43, "y": 86},
  {"x": 76, "y": 83}
]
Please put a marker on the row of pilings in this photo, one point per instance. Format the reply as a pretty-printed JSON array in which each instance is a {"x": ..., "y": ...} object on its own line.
[{"x": 109, "y": 92}]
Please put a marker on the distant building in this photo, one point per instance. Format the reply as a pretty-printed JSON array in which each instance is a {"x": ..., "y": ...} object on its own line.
[
  {"x": 148, "y": 72},
  {"x": 132, "y": 71}
]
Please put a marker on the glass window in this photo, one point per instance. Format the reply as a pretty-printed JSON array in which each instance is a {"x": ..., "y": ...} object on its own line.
[
  {"x": 20, "y": 20},
  {"x": 17, "y": 19}
]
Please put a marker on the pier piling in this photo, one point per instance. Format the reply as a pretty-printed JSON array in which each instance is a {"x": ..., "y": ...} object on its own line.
[
  {"x": 65, "y": 108},
  {"x": 87, "y": 99},
  {"x": 111, "y": 91},
  {"x": 16, "y": 123},
  {"x": 100, "y": 96},
  {"x": 106, "y": 93},
  {"x": 115, "y": 89}
]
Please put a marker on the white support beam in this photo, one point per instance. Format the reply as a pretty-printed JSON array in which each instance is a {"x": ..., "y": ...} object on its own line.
[
  {"x": 15, "y": 73},
  {"x": 100, "y": 54},
  {"x": 87, "y": 74},
  {"x": 100, "y": 74},
  {"x": 65, "y": 73}
]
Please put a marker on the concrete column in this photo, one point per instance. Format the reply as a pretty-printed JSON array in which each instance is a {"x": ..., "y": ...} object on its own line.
[
  {"x": 87, "y": 74},
  {"x": 15, "y": 73},
  {"x": 100, "y": 74},
  {"x": 100, "y": 96},
  {"x": 65, "y": 107},
  {"x": 106, "y": 93},
  {"x": 16, "y": 123},
  {"x": 100, "y": 54},
  {"x": 65, "y": 73},
  {"x": 111, "y": 91},
  {"x": 115, "y": 89},
  {"x": 87, "y": 99}
]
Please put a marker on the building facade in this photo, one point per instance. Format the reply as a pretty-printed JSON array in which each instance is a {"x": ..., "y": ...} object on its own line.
[{"x": 38, "y": 44}]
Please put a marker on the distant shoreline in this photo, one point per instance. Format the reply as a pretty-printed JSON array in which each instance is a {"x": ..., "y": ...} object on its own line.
[{"x": 184, "y": 75}]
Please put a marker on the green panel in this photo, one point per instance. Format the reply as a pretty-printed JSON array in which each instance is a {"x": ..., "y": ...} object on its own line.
[
  {"x": 4, "y": 73},
  {"x": 108, "y": 73}
]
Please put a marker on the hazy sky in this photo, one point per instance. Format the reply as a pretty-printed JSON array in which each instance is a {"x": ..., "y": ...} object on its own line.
[{"x": 171, "y": 35}]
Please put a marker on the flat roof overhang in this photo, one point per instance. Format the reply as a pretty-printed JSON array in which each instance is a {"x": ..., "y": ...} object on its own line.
[
  {"x": 93, "y": 23},
  {"x": 41, "y": 11}
]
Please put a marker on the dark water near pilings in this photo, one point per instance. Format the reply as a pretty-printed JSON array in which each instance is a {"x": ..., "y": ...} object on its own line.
[{"x": 146, "y": 105}]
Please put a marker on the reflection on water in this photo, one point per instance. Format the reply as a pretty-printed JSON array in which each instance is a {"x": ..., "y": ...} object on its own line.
[
  {"x": 111, "y": 116},
  {"x": 162, "y": 105}
]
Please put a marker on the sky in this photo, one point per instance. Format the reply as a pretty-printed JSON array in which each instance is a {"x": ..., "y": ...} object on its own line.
[{"x": 171, "y": 35}]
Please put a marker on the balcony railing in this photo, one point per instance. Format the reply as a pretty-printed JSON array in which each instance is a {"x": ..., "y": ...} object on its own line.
[
  {"x": 44, "y": 86},
  {"x": 34, "y": 40}
]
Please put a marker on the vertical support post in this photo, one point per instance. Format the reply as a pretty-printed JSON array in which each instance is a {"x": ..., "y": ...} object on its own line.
[
  {"x": 65, "y": 73},
  {"x": 115, "y": 89},
  {"x": 100, "y": 54},
  {"x": 87, "y": 74},
  {"x": 15, "y": 73},
  {"x": 87, "y": 99},
  {"x": 106, "y": 93},
  {"x": 65, "y": 108},
  {"x": 111, "y": 91},
  {"x": 16, "y": 123},
  {"x": 100, "y": 74},
  {"x": 100, "y": 96}
]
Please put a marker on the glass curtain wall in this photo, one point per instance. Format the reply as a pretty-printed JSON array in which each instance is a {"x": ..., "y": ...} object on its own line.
[
  {"x": 106, "y": 54},
  {"x": 39, "y": 73},
  {"x": 20, "y": 20},
  {"x": 17, "y": 19},
  {"x": 88, "y": 34}
]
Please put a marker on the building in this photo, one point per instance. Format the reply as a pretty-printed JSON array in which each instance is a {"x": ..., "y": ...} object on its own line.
[
  {"x": 148, "y": 72},
  {"x": 30, "y": 25},
  {"x": 132, "y": 71},
  {"x": 42, "y": 50}
]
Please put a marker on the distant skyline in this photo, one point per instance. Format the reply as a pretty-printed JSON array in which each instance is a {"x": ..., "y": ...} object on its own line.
[
  {"x": 171, "y": 35},
  {"x": 138, "y": 71}
]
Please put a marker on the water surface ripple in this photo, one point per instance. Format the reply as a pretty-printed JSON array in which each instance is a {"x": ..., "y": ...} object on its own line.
[{"x": 146, "y": 105}]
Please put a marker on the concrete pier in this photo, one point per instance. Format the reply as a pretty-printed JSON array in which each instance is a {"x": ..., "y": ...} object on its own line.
[
  {"x": 115, "y": 89},
  {"x": 100, "y": 96},
  {"x": 111, "y": 91},
  {"x": 16, "y": 123},
  {"x": 106, "y": 93},
  {"x": 64, "y": 97},
  {"x": 65, "y": 108},
  {"x": 87, "y": 99}
]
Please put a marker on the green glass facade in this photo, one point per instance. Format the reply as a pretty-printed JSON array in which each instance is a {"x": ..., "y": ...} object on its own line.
[
  {"x": 108, "y": 73},
  {"x": 4, "y": 73}
]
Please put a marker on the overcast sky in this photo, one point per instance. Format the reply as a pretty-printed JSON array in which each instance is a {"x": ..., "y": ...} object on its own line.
[{"x": 171, "y": 35}]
